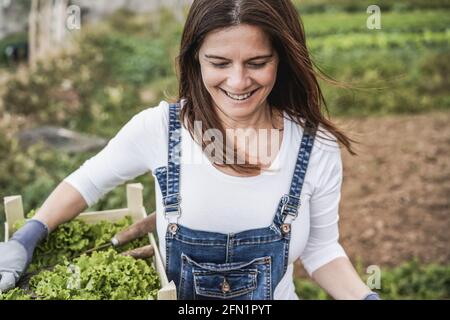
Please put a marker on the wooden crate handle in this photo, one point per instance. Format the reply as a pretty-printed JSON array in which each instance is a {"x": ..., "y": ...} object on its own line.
[{"x": 13, "y": 211}]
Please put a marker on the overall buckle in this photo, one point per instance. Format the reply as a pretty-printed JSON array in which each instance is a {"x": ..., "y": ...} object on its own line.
[
  {"x": 292, "y": 203},
  {"x": 172, "y": 207}
]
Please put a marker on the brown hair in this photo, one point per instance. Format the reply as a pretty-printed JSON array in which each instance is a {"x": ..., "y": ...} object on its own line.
[{"x": 296, "y": 90}]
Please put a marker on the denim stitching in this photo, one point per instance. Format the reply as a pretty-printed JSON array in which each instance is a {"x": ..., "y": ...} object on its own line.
[
  {"x": 251, "y": 286},
  {"x": 269, "y": 279}
]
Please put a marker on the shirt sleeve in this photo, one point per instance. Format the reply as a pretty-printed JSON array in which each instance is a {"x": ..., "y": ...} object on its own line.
[
  {"x": 323, "y": 242},
  {"x": 133, "y": 151}
]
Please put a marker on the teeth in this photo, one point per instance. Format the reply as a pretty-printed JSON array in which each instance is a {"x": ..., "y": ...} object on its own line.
[{"x": 239, "y": 97}]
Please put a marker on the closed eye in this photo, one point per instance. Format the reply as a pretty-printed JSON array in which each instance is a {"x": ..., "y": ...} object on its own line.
[
  {"x": 257, "y": 65},
  {"x": 219, "y": 65},
  {"x": 252, "y": 65}
]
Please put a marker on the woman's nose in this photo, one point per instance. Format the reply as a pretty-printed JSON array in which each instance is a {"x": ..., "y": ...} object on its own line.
[{"x": 238, "y": 80}]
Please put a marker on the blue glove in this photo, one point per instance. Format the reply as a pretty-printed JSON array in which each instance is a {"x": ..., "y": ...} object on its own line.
[{"x": 16, "y": 254}]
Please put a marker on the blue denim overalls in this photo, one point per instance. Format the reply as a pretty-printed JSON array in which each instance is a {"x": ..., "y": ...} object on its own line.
[{"x": 208, "y": 265}]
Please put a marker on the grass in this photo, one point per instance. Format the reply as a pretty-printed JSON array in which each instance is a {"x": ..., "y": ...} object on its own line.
[{"x": 409, "y": 281}]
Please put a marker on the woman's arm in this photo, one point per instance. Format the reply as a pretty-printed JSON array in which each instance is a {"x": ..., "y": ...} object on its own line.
[
  {"x": 63, "y": 204},
  {"x": 323, "y": 257},
  {"x": 340, "y": 279},
  {"x": 133, "y": 151},
  {"x": 130, "y": 153}
]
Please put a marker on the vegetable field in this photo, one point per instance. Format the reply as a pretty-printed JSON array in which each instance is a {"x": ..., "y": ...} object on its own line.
[{"x": 394, "y": 99}]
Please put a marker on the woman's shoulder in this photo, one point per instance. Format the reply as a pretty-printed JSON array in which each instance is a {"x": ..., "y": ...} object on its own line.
[
  {"x": 149, "y": 133},
  {"x": 159, "y": 111},
  {"x": 324, "y": 140},
  {"x": 154, "y": 118},
  {"x": 150, "y": 124},
  {"x": 325, "y": 155}
]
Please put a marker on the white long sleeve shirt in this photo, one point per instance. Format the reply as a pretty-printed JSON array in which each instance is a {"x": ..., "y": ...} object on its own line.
[{"x": 217, "y": 202}]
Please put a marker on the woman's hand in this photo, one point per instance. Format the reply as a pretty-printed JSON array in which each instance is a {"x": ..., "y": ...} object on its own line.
[
  {"x": 63, "y": 204},
  {"x": 13, "y": 263},
  {"x": 16, "y": 254}
]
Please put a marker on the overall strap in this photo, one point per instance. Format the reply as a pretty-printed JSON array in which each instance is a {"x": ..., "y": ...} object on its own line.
[
  {"x": 289, "y": 203},
  {"x": 172, "y": 198}
]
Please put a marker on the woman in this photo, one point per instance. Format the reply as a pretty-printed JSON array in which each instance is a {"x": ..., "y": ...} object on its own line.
[{"x": 230, "y": 223}]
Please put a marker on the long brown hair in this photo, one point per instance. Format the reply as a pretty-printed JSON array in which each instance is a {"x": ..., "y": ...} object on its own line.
[{"x": 296, "y": 90}]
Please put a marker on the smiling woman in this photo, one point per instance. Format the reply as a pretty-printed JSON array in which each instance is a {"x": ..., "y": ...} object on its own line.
[
  {"x": 244, "y": 64},
  {"x": 232, "y": 233},
  {"x": 239, "y": 70}
]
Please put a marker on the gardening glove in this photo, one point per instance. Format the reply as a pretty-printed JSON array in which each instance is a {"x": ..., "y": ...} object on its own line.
[
  {"x": 16, "y": 254},
  {"x": 372, "y": 296}
]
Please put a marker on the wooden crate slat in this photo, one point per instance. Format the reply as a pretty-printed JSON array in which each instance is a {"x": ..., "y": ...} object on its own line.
[
  {"x": 158, "y": 263},
  {"x": 6, "y": 231},
  {"x": 135, "y": 200},
  {"x": 168, "y": 292},
  {"x": 110, "y": 215},
  {"x": 13, "y": 211},
  {"x": 168, "y": 289}
]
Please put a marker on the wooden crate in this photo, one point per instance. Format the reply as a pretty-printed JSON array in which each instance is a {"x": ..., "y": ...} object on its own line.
[{"x": 135, "y": 208}]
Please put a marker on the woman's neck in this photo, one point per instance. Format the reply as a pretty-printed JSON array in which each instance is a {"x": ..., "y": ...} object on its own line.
[{"x": 260, "y": 119}]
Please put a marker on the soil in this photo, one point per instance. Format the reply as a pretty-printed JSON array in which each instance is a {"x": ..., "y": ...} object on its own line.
[{"x": 395, "y": 202}]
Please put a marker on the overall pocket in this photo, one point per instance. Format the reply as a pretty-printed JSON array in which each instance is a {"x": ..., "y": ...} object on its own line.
[{"x": 235, "y": 281}]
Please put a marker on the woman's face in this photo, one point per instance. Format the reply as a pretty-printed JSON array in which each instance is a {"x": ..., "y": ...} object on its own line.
[{"x": 239, "y": 69}]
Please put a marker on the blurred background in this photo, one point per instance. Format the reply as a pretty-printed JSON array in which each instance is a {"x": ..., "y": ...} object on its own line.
[{"x": 72, "y": 73}]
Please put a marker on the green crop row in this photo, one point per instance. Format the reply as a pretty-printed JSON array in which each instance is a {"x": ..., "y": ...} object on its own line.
[
  {"x": 314, "y": 6},
  {"x": 386, "y": 81},
  {"x": 409, "y": 281},
  {"x": 352, "y": 41},
  {"x": 344, "y": 22}
]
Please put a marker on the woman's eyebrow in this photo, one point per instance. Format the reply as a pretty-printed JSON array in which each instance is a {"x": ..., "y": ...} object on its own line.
[{"x": 211, "y": 56}]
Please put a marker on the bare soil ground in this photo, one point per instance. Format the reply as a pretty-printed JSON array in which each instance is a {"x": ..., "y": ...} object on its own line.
[{"x": 395, "y": 203}]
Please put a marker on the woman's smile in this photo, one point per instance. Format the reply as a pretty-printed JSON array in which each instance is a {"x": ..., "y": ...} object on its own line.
[
  {"x": 239, "y": 98},
  {"x": 239, "y": 70}
]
